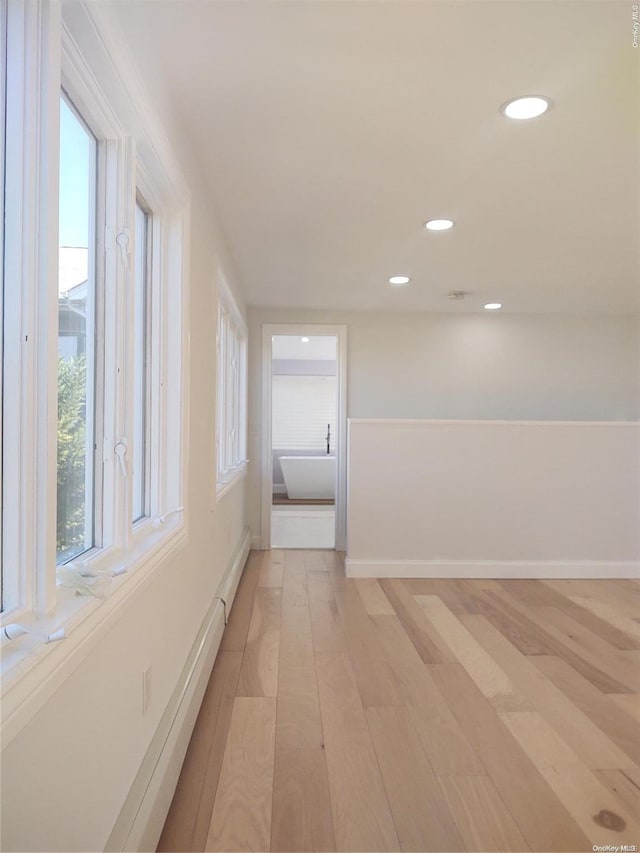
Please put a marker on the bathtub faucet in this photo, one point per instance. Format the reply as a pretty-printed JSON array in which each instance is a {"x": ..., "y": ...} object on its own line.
[{"x": 328, "y": 439}]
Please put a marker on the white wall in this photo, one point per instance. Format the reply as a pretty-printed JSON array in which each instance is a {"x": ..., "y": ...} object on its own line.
[
  {"x": 468, "y": 366},
  {"x": 493, "y": 499},
  {"x": 67, "y": 773},
  {"x": 496, "y": 366}
]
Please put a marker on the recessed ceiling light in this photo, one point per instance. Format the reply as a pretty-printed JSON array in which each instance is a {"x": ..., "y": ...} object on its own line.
[
  {"x": 399, "y": 280},
  {"x": 493, "y": 306},
  {"x": 530, "y": 106},
  {"x": 439, "y": 224},
  {"x": 305, "y": 340}
]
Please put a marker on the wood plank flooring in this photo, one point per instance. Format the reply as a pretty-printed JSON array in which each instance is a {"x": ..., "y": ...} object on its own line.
[{"x": 415, "y": 715}]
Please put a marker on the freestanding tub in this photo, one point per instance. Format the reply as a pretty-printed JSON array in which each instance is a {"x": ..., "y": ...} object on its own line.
[{"x": 312, "y": 477}]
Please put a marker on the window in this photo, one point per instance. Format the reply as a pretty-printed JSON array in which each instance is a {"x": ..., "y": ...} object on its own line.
[
  {"x": 141, "y": 362},
  {"x": 76, "y": 434},
  {"x": 91, "y": 332},
  {"x": 231, "y": 415}
]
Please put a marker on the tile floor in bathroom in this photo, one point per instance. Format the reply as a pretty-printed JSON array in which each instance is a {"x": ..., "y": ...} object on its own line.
[{"x": 302, "y": 526}]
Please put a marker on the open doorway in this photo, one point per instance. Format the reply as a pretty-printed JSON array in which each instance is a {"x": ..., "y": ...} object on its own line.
[
  {"x": 304, "y": 437},
  {"x": 303, "y": 429}
]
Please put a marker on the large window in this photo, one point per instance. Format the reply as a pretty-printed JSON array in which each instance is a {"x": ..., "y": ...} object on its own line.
[
  {"x": 231, "y": 415},
  {"x": 94, "y": 219}
]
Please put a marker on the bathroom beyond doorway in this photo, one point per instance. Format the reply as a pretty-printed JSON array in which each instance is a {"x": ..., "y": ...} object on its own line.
[{"x": 303, "y": 417}]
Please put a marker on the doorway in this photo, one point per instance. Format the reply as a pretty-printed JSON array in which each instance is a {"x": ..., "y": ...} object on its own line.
[{"x": 304, "y": 437}]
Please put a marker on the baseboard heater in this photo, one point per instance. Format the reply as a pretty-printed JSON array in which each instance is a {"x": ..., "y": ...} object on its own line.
[{"x": 143, "y": 814}]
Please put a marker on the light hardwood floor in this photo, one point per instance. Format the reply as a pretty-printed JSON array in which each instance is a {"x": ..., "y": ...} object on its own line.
[{"x": 426, "y": 715}]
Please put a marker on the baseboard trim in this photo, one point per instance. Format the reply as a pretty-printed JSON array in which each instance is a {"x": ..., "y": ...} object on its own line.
[
  {"x": 143, "y": 814},
  {"x": 256, "y": 543},
  {"x": 490, "y": 569}
]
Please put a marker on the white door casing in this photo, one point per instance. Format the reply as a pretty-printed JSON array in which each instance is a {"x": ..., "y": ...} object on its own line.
[{"x": 270, "y": 330}]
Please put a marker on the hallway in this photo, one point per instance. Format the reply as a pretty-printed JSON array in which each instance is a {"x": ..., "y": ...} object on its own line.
[{"x": 415, "y": 715}]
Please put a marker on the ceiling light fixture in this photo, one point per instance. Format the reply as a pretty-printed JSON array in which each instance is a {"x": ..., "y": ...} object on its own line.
[
  {"x": 305, "y": 340},
  {"x": 399, "y": 280},
  {"x": 439, "y": 224},
  {"x": 531, "y": 106},
  {"x": 493, "y": 306}
]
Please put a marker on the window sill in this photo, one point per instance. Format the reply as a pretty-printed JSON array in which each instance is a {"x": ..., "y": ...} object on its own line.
[
  {"x": 235, "y": 475},
  {"x": 33, "y": 670}
]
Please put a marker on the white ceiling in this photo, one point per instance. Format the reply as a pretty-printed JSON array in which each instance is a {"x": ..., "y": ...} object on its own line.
[{"x": 329, "y": 132}]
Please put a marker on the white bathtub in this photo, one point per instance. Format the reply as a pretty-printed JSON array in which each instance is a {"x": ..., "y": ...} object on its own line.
[{"x": 309, "y": 476}]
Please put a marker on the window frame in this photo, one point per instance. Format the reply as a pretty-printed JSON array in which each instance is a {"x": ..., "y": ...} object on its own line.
[
  {"x": 30, "y": 327},
  {"x": 167, "y": 421},
  {"x": 115, "y": 184},
  {"x": 128, "y": 176},
  {"x": 96, "y": 251},
  {"x": 231, "y": 392},
  {"x": 149, "y": 425}
]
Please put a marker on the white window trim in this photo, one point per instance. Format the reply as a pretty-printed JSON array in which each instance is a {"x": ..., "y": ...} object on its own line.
[
  {"x": 85, "y": 42},
  {"x": 151, "y": 286},
  {"x": 4, "y": 20},
  {"x": 229, "y": 472},
  {"x": 269, "y": 330},
  {"x": 31, "y": 342}
]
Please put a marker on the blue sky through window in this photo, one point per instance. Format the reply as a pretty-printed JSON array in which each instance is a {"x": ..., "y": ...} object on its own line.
[{"x": 76, "y": 147}]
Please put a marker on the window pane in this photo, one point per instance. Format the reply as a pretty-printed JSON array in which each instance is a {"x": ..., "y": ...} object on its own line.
[
  {"x": 76, "y": 337},
  {"x": 222, "y": 402},
  {"x": 140, "y": 367},
  {"x": 230, "y": 392}
]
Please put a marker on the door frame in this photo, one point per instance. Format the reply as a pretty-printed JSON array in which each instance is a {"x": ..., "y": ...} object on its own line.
[{"x": 270, "y": 330}]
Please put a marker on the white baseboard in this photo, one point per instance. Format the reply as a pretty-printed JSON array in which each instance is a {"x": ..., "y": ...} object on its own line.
[
  {"x": 143, "y": 814},
  {"x": 256, "y": 543},
  {"x": 490, "y": 569}
]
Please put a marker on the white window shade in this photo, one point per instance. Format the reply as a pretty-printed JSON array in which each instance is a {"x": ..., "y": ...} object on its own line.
[{"x": 302, "y": 408}]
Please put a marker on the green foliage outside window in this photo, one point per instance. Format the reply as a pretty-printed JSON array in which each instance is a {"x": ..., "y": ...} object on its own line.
[{"x": 70, "y": 527}]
